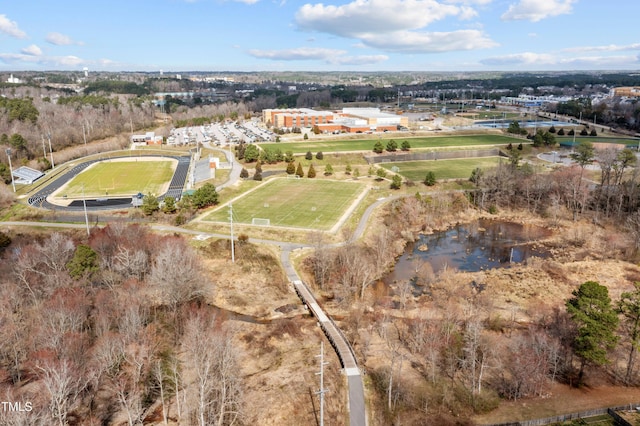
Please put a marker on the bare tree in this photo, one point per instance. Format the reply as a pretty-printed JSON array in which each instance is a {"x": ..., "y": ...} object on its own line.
[
  {"x": 322, "y": 258},
  {"x": 211, "y": 355},
  {"x": 177, "y": 273},
  {"x": 63, "y": 384}
]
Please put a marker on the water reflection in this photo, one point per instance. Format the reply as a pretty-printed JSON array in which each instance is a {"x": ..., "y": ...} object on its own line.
[{"x": 482, "y": 245}]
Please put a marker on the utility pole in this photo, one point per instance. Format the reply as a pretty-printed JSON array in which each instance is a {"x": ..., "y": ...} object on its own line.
[
  {"x": 44, "y": 149},
  {"x": 86, "y": 217},
  {"x": 53, "y": 165},
  {"x": 233, "y": 252},
  {"x": 322, "y": 390},
  {"x": 13, "y": 182}
]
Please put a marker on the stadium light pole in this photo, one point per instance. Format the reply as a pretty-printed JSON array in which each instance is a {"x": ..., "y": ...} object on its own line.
[{"x": 13, "y": 182}]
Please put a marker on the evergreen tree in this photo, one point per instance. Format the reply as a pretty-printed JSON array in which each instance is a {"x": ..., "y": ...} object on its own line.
[
  {"x": 328, "y": 170},
  {"x": 381, "y": 173},
  {"x": 244, "y": 173},
  {"x": 308, "y": 156},
  {"x": 430, "y": 178},
  {"x": 291, "y": 168},
  {"x": 169, "y": 205},
  {"x": 596, "y": 320},
  {"x": 319, "y": 155},
  {"x": 347, "y": 168},
  {"x": 5, "y": 241},
  {"x": 251, "y": 153},
  {"x": 299, "y": 171},
  {"x": 205, "y": 196},
  {"x": 392, "y": 145},
  {"x": 311, "y": 173},
  {"x": 378, "y": 148},
  {"x": 356, "y": 173},
  {"x": 84, "y": 261},
  {"x": 150, "y": 204},
  {"x": 396, "y": 182},
  {"x": 406, "y": 146}
]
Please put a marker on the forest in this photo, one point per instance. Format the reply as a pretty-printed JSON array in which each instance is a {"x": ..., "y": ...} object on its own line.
[{"x": 109, "y": 329}]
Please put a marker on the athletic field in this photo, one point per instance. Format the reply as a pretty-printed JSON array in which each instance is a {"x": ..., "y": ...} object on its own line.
[
  {"x": 121, "y": 177},
  {"x": 367, "y": 144},
  {"x": 300, "y": 203},
  {"x": 459, "y": 168}
]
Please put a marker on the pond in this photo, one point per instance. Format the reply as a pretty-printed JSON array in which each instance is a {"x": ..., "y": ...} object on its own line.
[{"x": 484, "y": 244}]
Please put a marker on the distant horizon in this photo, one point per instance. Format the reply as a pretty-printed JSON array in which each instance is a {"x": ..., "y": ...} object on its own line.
[
  {"x": 332, "y": 36},
  {"x": 169, "y": 72}
]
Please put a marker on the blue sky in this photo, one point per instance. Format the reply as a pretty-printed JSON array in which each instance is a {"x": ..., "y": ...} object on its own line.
[{"x": 347, "y": 35}]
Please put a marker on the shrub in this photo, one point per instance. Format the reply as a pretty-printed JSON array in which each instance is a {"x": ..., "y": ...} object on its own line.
[
  {"x": 430, "y": 178},
  {"x": 308, "y": 156},
  {"x": 319, "y": 155}
]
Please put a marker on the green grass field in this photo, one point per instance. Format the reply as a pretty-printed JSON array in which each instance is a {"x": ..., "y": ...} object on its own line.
[
  {"x": 460, "y": 168},
  {"x": 115, "y": 178},
  {"x": 367, "y": 144},
  {"x": 301, "y": 203}
]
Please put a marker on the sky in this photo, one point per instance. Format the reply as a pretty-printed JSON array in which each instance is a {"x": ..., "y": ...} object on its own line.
[{"x": 333, "y": 35}]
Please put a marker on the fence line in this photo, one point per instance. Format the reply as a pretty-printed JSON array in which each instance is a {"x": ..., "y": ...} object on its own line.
[
  {"x": 433, "y": 155},
  {"x": 574, "y": 416}
]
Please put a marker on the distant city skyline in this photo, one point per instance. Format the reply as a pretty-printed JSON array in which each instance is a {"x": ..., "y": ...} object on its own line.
[{"x": 337, "y": 35}]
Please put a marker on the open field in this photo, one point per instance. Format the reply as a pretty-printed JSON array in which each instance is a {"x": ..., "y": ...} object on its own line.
[
  {"x": 367, "y": 144},
  {"x": 634, "y": 142},
  {"x": 303, "y": 203},
  {"x": 121, "y": 177},
  {"x": 460, "y": 168}
]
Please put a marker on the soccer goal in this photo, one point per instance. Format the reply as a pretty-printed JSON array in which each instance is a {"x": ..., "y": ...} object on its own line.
[{"x": 260, "y": 222}]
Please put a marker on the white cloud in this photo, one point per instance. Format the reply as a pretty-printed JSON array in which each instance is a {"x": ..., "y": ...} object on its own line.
[
  {"x": 607, "y": 48},
  {"x": 526, "y": 58},
  {"x": 531, "y": 60},
  {"x": 359, "y": 60},
  {"x": 537, "y": 10},
  {"x": 395, "y": 25},
  {"x": 32, "y": 50},
  {"x": 49, "y": 61},
  {"x": 61, "y": 39},
  {"x": 297, "y": 54},
  {"x": 468, "y": 2},
  {"x": 330, "y": 56},
  {"x": 11, "y": 28},
  {"x": 363, "y": 17},
  {"x": 423, "y": 42}
]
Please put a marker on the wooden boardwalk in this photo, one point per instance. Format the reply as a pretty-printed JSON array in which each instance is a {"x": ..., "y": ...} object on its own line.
[{"x": 357, "y": 415}]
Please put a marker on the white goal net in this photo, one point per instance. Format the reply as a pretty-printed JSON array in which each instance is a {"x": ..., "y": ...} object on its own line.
[{"x": 260, "y": 222}]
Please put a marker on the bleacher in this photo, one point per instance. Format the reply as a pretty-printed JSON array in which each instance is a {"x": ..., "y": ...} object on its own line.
[{"x": 26, "y": 175}]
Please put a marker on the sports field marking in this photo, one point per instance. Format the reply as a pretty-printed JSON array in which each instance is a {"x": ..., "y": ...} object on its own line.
[
  {"x": 121, "y": 177},
  {"x": 291, "y": 203}
]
